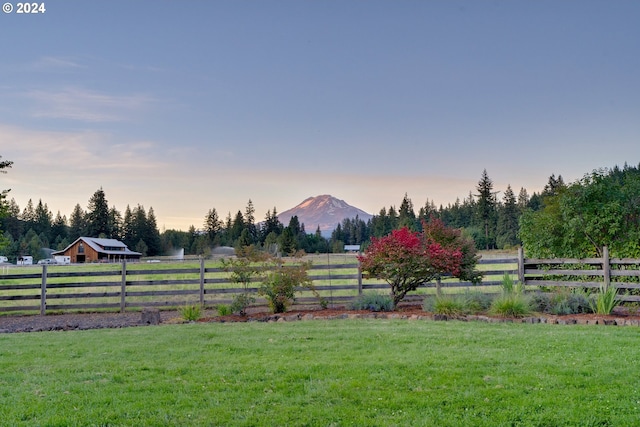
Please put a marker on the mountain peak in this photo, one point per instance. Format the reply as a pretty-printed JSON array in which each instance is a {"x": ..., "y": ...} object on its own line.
[{"x": 324, "y": 211}]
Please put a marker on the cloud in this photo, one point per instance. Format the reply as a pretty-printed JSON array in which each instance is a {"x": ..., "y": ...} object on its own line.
[
  {"x": 75, "y": 152},
  {"x": 86, "y": 105},
  {"x": 55, "y": 63}
]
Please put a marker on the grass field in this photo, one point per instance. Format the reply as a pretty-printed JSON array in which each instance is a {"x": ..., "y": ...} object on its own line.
[{"x": 323, "y": 373}]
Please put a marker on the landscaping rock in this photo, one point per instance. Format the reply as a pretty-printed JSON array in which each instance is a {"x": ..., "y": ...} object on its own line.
[{"x": 150, "y": 316}]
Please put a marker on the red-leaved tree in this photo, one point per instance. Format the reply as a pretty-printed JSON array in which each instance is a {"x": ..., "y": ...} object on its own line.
[
  {"x": 407, "y": 259},
  {"x": 434, "y": 231}
]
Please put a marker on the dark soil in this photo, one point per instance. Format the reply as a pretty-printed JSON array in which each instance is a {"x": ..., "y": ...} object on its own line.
[{"x": 83, "y": 321}]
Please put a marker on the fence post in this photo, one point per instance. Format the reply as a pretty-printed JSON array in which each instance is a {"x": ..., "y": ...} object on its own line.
[
  {"x": 43, "y": 291},
  {"x": 521, "y": 265},
  {"x": 123, "y": 287},
  {"x": 202, "y": 281},
  {"x": 606, "y": 267},
  {"x": 359, "y": 278}
]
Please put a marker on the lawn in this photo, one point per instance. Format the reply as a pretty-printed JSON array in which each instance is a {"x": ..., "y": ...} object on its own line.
[{"x": 323, "y": 373}]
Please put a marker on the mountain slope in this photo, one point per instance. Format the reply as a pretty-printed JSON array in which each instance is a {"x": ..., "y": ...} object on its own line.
[{"x": 323, "y": 211}]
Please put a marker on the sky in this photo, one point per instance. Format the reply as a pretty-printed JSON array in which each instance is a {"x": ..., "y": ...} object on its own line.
[{"x": 185, "y": 106}]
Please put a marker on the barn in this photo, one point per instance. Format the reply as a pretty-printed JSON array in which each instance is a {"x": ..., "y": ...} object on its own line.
[{"x": 91, "y": 249}]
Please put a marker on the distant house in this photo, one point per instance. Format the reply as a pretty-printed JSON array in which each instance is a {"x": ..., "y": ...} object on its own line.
[{"x": 90, "y": 249}]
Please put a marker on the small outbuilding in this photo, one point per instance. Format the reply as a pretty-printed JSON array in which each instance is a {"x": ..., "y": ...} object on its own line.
[{"x": 91, "y": 249}]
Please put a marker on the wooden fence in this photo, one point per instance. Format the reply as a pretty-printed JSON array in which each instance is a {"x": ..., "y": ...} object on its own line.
[
  {"x": 623, "y": 273},
  {"x": 122, "y": 287}
]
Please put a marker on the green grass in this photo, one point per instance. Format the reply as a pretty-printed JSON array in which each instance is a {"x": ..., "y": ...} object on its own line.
[{"x": 323, "y": 373}]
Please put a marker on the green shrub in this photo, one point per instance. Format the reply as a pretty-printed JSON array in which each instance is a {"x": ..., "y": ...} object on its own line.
[
  {"x": 372, "y": 302},
  {"x": 604, "y": 301},
  {"x": 241, "y": 302},
  {"x": 449, "y": 305},
  {"x": 560, "y": 302},
  {"x": 224, "y": 310},
  {"x": 279, "y": 285},
  {"x": 477, "y": 302},
  {"x": 540, "y": 302},
  {"x": 507, "y": 284},
  {"x": 576, "y": 302},
  {"x": 511, "y": 305},
  {"x": 191, "y": 313}
]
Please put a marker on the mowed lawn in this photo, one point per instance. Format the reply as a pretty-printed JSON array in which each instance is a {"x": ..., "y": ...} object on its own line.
[{"x": 324, "y": 373}]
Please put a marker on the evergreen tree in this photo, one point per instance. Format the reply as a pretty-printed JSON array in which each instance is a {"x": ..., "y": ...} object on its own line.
[
  {"x": 12, "y": 222},
  {"x": 287, "y": 241},
  {"x": 139, "y": 225},
  {"x": 43, "y": 220},
  {"x": 244, "y": 240},
  {"x": 152, "y": 234},
  {"x": 115, "y": 223},
  {"x": 554, "y": 186},
  {"x": 237, "y": 227},
  {"x": 250, "y": 222},
  {"x": 128, "y": 232},
  {"x": 271, "y": 225},
  {"x": 406, "y": 215},
  {"x": 486, "y": 210},
  {"x": 77, "y": 223},
  {"x": 29, "y": 215},
  {"x": 392, "y": 216},
  {"x": 4, "y": 164},
  {"x": 59, "y": 228},
  {"x": 381, "y": 224},
  {"x": 427, "y": 211},
  {"x": 523, "y": 200},
  {"x": 212, "y": 226},
  {"x": 98, "y": 215},
  {"x": 507, "y": 230}
]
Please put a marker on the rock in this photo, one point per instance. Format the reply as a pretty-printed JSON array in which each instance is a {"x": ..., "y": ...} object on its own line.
[{"x": 150, "y": 316}]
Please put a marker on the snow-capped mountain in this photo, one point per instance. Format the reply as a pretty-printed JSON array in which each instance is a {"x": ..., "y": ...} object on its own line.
[{"x": 323, "y": 211}]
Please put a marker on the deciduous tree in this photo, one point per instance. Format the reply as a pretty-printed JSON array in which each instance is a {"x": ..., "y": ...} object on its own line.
[
  {"x": 578, "y": 220},
  {"x": 406, "y": 259}
]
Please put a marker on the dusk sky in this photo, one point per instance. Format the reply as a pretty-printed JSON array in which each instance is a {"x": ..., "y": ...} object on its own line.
[{"x": 185, "y": 106}]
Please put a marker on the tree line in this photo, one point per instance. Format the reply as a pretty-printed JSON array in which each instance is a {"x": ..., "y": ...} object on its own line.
[{"x": 492, "y": 222}]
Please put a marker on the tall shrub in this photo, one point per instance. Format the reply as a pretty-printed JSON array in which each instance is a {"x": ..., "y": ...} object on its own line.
[{"x": 407, "y": 259}]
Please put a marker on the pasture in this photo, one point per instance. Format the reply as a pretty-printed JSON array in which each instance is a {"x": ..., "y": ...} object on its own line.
[{"x": 323, "y": 373}]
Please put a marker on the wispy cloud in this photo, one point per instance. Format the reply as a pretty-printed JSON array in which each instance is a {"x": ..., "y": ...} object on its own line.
[
  {"x": 49, "y": 63},
  {"x": 49, "y": 152},
  {"x": 86, "y": 105}
]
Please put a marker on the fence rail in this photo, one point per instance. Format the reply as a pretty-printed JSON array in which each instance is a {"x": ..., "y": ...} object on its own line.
[
  {"x": 623, "y": 273},
  {"x": 122, "y": 287}
]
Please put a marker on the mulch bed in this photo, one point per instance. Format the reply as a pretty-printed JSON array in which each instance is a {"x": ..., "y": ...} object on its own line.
[{"x": 84, "y": 321}]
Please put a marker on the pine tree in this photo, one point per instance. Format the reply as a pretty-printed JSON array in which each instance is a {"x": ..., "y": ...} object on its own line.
[
  {"x": 77, "y": 223},
  {"x": 406, "y": 214},
  {"x": 29, "y": 215},
  {"x": 127, "y": 232},
  {"x": 59, "y": 228},
  {"x": 152, "y": 234},
  {"x": 43, "y": 220},
  {"x": 4, "y": 164},
  {"x": 271, "y": 225},
  {"x": 507, "y": 230},
  {"x": 212, "y": 226},
  {"x": 523, "y": 200},
  {"x": 237, "y": 227},
  {"x": 115, "y": 223},
  {"x": 250, "y": 222},
  {"x": 486, "y": 210},
  {"x": 98, "y": 215}
]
